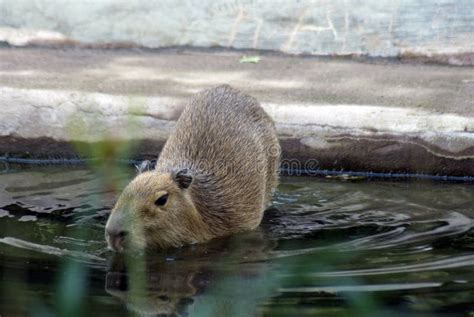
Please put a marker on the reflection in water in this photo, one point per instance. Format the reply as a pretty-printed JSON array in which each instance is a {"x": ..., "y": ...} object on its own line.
[
  {"x": 168, "y": 290},
  {"x": 326, "y": 248},
  {"x": 214, "y": 279}
]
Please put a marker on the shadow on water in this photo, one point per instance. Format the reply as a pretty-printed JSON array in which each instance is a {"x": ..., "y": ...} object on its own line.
[{"x": 327, "y": 248}]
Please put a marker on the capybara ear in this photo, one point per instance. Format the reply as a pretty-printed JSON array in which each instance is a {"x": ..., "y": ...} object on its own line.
[
  {"x": 183, "y": 178},
  {"x": 144, "y": 166}
]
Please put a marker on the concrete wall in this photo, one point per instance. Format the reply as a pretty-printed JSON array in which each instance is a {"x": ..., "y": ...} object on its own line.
[
  {"x": 337, "y": 27},
  {"x": 329, "y": 114}
]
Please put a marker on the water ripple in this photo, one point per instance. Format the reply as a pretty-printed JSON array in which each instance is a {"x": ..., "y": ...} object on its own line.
[
  {"x": 446, "y": 263},
  {"x": 47, "y": 249}
]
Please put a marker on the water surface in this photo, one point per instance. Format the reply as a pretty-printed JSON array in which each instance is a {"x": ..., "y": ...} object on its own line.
[{"x": 326, "y": 248}]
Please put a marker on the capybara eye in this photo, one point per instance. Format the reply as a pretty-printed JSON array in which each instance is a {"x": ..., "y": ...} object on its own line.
[{"x": 162, "y": 200}]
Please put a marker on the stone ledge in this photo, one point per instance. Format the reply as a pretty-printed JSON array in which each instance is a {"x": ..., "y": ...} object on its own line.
[{"x": 420, "y": 134}]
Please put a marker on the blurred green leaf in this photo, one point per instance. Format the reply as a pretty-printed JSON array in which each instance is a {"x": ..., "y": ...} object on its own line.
[{"x": 250, "y": 59}]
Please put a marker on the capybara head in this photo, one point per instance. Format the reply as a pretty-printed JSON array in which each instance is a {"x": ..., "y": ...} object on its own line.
[{"x": 155, "y": 210}]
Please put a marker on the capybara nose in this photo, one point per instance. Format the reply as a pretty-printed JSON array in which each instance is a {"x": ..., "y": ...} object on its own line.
[{"x": 116, "y": 239}]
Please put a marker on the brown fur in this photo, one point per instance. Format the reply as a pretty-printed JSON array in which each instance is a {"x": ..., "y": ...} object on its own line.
[{"x": 228, "y": 144}]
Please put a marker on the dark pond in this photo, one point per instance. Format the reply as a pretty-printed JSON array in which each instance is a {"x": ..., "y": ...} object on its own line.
[{"x": 328, "y": 248}]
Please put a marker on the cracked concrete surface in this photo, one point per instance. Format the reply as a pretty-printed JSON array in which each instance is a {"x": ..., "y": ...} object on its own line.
[
  {"x": 346, "y": 115},
  {"x": 383, "y": 28}
]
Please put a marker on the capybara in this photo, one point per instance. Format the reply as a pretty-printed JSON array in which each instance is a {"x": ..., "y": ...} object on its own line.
[{"x": 214, "y": 177}]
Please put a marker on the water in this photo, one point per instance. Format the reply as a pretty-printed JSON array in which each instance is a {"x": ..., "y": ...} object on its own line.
[{"x": 328, "y": 248}]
